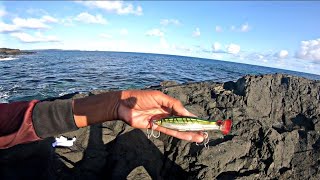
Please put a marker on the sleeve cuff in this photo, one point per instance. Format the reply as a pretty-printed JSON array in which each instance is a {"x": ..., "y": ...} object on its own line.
[{"x": 53, "y": 117}]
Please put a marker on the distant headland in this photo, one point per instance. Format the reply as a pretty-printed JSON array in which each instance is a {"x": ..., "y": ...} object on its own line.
[{"x": 7, "y": 52}]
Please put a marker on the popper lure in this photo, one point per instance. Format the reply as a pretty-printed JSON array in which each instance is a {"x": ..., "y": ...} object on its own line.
[{"x": 185, "y": 123}]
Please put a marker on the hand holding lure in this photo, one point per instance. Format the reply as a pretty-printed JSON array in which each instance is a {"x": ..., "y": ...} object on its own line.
[{"x": 186, "y": 123}]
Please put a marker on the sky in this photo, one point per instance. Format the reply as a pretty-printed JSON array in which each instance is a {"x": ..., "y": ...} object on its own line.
[{"x": 275, "y": 34}]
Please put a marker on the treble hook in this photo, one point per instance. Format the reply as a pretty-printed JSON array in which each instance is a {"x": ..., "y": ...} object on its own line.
[
  {"x": 205, "y": 141},
  {"x": 151, "y": 134}
]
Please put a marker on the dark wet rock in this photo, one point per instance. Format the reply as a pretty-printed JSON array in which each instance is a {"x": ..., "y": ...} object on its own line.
[
  {"x": 4, "y": 56},
  {"x": 6, "y": 52},
  {"x": 275, "y": 136},
  {"x": 139, "y": 173},
  {"x": 168, "y": 83}
]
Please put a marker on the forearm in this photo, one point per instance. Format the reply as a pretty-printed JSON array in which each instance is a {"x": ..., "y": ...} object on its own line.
[
  {"x": 25, "y": 122},
  {"x": 96, "y": 109},
  {"x": 60, "y": 116}
]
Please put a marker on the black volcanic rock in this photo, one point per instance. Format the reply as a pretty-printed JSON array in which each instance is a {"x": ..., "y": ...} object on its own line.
[
  {"x": 6, "y": 52},
  {"x": 275, "y": 136}
]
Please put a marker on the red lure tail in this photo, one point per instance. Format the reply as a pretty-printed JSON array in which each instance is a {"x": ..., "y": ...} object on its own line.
[{"x": 225, "y": 126}]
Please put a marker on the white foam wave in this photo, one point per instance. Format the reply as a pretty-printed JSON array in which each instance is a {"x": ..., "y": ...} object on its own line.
[
  {"x": 3, "y": 100},
  {"x": 8, "y": 59},
  {"x": 4, "y": 97}
]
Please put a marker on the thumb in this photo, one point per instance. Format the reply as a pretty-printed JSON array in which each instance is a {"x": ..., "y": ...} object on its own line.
[
  {"x": 179, "y": 110},
  {"x": 175, "y": 105},
  {"x": 187, "y": 113}
]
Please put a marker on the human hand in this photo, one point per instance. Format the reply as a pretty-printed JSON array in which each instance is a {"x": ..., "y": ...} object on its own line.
[{"x": 138, "y": 108}]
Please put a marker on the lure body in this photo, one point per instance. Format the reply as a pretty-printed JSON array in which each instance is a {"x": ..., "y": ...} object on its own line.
[{"x": 185, "y": 123}]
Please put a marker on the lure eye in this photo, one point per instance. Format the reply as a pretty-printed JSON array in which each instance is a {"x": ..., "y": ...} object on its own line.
[{"x": 225, "y": 126}]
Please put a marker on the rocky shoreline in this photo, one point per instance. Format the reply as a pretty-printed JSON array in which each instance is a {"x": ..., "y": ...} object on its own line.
[
  {"x": 276, "y": 135},
  {"x": 7, "y": 52}
]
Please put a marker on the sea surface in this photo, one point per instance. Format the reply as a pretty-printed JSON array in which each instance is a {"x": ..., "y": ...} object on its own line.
[{"x": 52, "y": 73}]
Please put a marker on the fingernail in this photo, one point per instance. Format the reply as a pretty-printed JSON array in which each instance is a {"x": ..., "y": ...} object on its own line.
[
  {"x": 155, "y": 125},
  {"x": 187, "y": 112},
  {"x": 201, "y": 139}
]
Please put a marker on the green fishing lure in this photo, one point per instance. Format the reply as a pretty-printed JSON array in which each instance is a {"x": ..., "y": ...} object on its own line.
[{"x": 186, "y": 123}]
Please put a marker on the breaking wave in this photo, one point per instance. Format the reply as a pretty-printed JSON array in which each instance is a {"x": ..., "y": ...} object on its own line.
[{"x": 8, "y": 59}]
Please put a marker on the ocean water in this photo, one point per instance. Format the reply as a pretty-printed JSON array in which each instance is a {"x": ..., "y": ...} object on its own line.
[{"x": 52, "y": 73}]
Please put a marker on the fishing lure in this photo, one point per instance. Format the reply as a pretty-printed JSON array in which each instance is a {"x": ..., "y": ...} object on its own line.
[{"x": 186, "y": 123}]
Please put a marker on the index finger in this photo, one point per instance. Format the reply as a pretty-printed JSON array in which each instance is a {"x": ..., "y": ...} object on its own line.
[
  {"x": 175, "y": 105},
  {"x": 189, "y": 136}
]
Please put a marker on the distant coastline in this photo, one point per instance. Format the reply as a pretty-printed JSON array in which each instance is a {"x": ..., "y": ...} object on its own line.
[{"x": 10, "y": 53}]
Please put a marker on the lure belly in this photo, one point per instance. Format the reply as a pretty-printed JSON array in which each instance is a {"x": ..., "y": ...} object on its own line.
[{"x": 184, "y": 123}]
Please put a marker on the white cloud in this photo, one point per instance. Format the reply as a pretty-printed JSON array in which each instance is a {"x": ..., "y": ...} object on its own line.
[
  {"x": 124, "y": 32},
  {"x": 67, "y": 21},
  {"x": 35, "y": 11},
  {"x": 166, "y": 22},
  {"x": 233, "y": 48},
  {"x": 5, "y": 28},
  {"x": 118, "y": 7},
  {"x": 258, "y": 57},
  {"x": 104, "y": 35},
  {"x": 155, "y": 32},
  {"x": 309, "y": 50},
  {"x": 282, "y": 54},
  {"x": 2, "y": 11},
  {"x": 196, "y": 33},
  {"x": 309, "y": 67},
  {"x": 37, "y": 38},
  {"x": 218, "y": 29},
  {"x": 217, "y": 56},
  {"x": 216, "y": 47},
  {"x": 49, "y": 19},
  {"x": 182, "y": 48},
  {"x": 31, "y": 23},
  {"x": 245, "y": 27},
  {"x": 91, "y": 19}
]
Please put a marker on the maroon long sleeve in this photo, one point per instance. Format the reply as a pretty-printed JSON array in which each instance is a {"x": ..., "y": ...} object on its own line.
[
  {"x": 24, "y": 122},
  {"x": 16, "y": 125}
]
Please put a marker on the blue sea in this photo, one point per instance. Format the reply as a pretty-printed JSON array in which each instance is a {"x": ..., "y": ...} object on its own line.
[{"x": 52, "y": 73}]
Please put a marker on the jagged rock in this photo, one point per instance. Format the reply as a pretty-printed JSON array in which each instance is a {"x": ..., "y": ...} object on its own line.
[
  {"x": 2, "y": 57},
  {"x": 275, "y": 136},
  {"x": 168, "y": 83},
  {"x": 7, "y": 52},
  {"x": 139, "y": 173}
]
